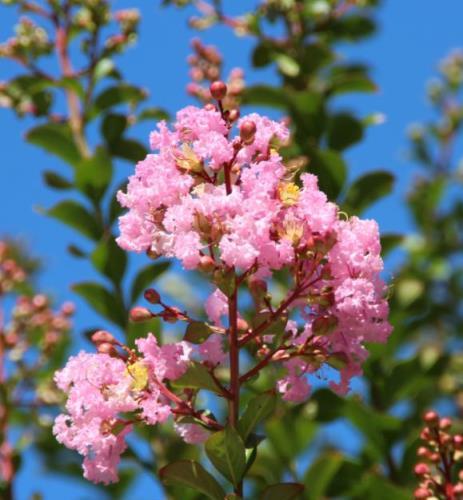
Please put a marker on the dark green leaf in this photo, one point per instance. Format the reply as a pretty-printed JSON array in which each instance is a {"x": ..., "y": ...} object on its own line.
[
  {"x": 343, "y": 131},
  {"x": 258, "y": 408},
  {"x": 94, "y": 174},
  {"x": 282, "y": 491},
  {"x": 197, "y": 377},
  {"x": 367, "y": 189},
  {"x": 331, "y": 170},
  {"x": 145, "y": 277},
  {"x": 153, "y": 114},
  {"x": 197, "y": 332},
  {"x": 113, "y": 126},
  {"x": 322, "y": 472},
  {"x": 264, "y": 95},
  {"x": 110, "y": 259},
  {"x": 56, "y": 181},
  {"x": 225, "y": 449},
  {"x": 193, "y": 475},
  {"x": 103, "y": 301},
  {"x": 118, "y": 94},
  {"x": 129, "y": 149},
  {"x": 76, "y": 216},
  {"x": 389, "y": 241},
  {"x": 56, "y": 139}
]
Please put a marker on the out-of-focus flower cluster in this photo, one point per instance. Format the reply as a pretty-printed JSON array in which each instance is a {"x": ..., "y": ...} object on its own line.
[
  {"x": 30, "y": 41},
  {"x": 11, "y": 273},
  {"x": 206, "y": 67},
  {"x": 441, "y": 457}
]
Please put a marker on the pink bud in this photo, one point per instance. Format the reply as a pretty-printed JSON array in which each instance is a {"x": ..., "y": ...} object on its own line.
[
  {"x": 218, "y": 90},
  {"x": 102, "y": 336},
  {"x": 152, "y": 296},
  {"x": 421, "y": 469},
  {"x": 248, "y": 131},
  {"x": 138, "y": 314}
]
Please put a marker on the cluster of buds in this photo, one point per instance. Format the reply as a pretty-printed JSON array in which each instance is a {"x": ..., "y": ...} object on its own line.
[
  {"x": 206, "y": 67},
  {"x": 128, "y": 21},
  {"x": 30, "y": 42},
  {"x": 168, "y": 314},
  {"x": 452, "y": 68},
  {"x": 34, "y": 314},
  {"x": 11, "y": 273},
  {"x": 441, "y": 457}
]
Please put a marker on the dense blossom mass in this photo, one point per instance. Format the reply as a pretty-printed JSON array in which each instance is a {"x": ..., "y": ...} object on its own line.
[{"x": 229, "y": 206}]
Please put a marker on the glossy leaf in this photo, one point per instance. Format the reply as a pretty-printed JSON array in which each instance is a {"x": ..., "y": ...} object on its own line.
[
  {"x": 197, "y": 332},
  {"x": 56, "y": 139},
  {"x": 193, "y": 475},
  {"x": 110, "y": 259},
  {"x": 225, "y": 449},
  {"x": 343, "y": 131},
  {"x": 76, "y": 216},
  {"x": 283, "y": 491},
  {"x": 258, "y": 409},
  {"x": 103, "y": 301},
  {"x": 197, "y": 377},
  {"x": 367, "y": 189},
  {"x": 94, "y": 174},
  {"x": 56, "y": 181}
]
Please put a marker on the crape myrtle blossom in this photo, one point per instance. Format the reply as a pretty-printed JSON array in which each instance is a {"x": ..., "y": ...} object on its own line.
[
  {"x": 179, "y": 206},
  {"x": 103, "y": 386},
  {"x": 228, "y": 205}
]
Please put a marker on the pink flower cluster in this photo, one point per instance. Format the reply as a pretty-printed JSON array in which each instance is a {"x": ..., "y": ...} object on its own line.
[
  {"x": 208, "y": 196},
  {"x": 101, "y": 388}
]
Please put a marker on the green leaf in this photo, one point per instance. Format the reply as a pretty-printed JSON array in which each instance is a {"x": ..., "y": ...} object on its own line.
[
  {"x": 76, "y": 216},
  {"x": 104, "y": 67},
  {"x": 287, "y": 65},
  {"x": 331, "y": 170},
  {"x": 113, "y": 126},
  {"x": 282, "y": 491},
  {"x": 56, "y": 181},
  {"x": 321, "y": 474},
  {"x": 197, "y": 377},
  {"x": 367, "y": 189},
  {"x": 129, "y": 150},
  {"x": 94, "y": 174},
  {"x": 264, "y": 95},
  {"x": 56, "y": 139},
  {"x": 153, "y": 114},
  {"x": 110, "y": 259},
  {"x": 118, "y": 94},
  {"x": 329, "y": 405},
  {"x": 193, "y": 475},
  {"x": 225, "y": 449},
  {"x": 343, "y": 131},
  {"x": 103, "y": 301},
  {"x": 389, "y": 241},
  {"x": 353, "y": 78},
  {"x": 197, "y": 332},
  {"x": 145, "y": 277},
  {"x": 258, "y": 408}
]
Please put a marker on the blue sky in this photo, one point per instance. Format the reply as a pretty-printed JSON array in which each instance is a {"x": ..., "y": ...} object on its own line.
[{"x": 413, "y": 36}]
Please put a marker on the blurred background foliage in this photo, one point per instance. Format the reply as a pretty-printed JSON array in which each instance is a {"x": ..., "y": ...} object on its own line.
[{"x": 87, "y": 97}]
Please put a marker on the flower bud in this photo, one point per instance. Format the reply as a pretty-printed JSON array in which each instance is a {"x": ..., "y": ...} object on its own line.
[
  {"x": 247, "y": 131},
  {"x": 152, "y": 296},
  {"x": 445, "y": 423},
  {"x": 458, "y": 441},
  {"x": 210, "y": 107},
  {"x": 421, "y": 469},
  {"x": 139, "y": 314},
  {"x": 242, "y": 324},
  {"x": 218, "y": 90},
  {"x": 102, "y": 336},
  {"x": 431, "y": 417},
  {"x": 458, "y": 489},
  {"x": 233, "y": 115},
  {"x": 422, "y": 494},
  {"x": 105, "y": 348},
  {"x": 423, "y": 452},
  {"x": 206, "y": 264}
]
